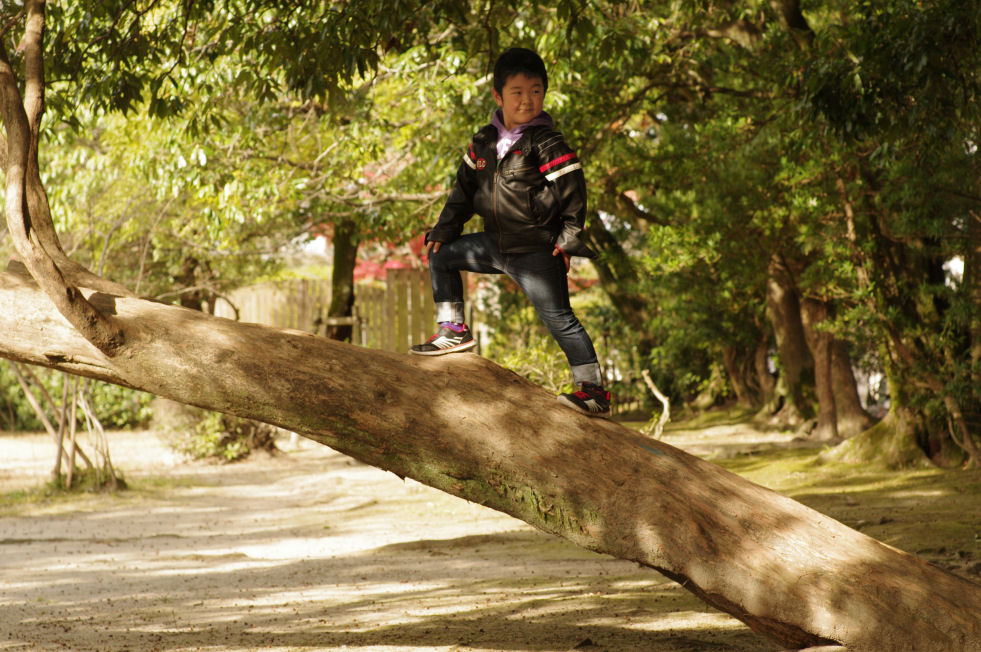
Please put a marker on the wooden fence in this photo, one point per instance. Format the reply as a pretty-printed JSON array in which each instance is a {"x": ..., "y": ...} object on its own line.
[
  {"x": 398, "y": 315},
  {"x": 392, "y": 315},
  {"x": 294, "y": 304}
]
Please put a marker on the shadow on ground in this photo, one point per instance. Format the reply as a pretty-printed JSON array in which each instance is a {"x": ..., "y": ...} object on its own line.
[{"x": 312, "y": 551}]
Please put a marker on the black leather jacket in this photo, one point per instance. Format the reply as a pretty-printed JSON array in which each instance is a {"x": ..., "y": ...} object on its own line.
[{"x": 532, "y": 199}]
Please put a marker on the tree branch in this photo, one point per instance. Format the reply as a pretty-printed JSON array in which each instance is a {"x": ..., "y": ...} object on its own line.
[
  {"x": 34, "y": 69},
  {"x": 96, "y": 327},
  {"x": 739, "y": 31},
  {"x": 37, "y": 200},
  {"x": 11, "y": 22},
  {"x": 788, "y": 572},
  {"x": 625, "y": 206}
]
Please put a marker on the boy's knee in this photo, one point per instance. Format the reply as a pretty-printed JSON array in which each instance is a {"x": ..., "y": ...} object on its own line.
[
  {"x": 436, "y": 258},
  {"x": 560, "y": 320}
]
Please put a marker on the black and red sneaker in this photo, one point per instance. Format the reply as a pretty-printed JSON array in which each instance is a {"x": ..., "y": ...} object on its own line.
[
  {"x": 450, "y": 338},
  {"x": 591, "y": 399}
]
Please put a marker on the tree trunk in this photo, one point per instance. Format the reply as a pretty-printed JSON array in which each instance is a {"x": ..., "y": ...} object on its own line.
[
  {"x": 737, "y": 368},
  {"x": 751, "y": 380},
  {"x": 813, "y": 313},
  {"x": 24, "y": 192},
  {"x": 972, "y": 283},
  {"x": 892, "y": 441},
  {"x": 896, "y": 274},
  {"x": 793, "y": 20},
  {"x": 972, "y": 279},
  {"x": 785, "y": 570},
  {"x": 783, "y": 310},
  {"x": 852, "y": 417},
  {"x": 342, "y": 279}
]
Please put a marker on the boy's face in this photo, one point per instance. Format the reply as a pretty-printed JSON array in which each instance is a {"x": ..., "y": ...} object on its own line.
[{"x": 520, "y": 100}]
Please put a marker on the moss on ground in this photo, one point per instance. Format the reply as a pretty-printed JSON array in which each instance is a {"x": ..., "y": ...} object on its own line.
[
  {"x": 929, "y": 511},
  {"x": 934, "y": 513}
]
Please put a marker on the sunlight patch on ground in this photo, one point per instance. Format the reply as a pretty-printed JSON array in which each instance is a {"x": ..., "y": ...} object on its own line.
[
  {"x": 692, "y": 620},
  {"x": 920, "y": 493},
  {"x": 312, "y": 551}
]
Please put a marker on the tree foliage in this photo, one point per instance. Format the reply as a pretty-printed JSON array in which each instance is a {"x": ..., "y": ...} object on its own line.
[
  {"x": 758, "y": 175},
  {"x": 730, "y": 149}
]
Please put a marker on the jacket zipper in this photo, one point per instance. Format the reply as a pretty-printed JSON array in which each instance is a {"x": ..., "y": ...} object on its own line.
[{"x": 497, "y": 218}]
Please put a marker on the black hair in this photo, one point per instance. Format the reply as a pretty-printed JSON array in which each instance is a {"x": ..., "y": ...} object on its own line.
[{"x": 518, "y": 61}]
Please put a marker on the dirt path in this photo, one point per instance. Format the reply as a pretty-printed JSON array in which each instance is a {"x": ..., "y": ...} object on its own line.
[{"x": 312, "y": 551}]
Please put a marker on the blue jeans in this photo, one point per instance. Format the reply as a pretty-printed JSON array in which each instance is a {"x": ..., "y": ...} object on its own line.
[{"x": 540, "y": 275}]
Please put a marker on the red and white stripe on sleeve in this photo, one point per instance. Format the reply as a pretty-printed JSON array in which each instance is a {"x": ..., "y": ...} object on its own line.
[
  {"x": 560, "y": 166},
  {"x": 470, "y": 158}
]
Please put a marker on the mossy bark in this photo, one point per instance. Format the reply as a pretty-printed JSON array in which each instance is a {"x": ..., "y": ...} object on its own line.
[{"x": 892, "y": 442}]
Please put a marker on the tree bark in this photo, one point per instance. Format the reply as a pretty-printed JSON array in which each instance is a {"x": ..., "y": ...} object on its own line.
[
  {"x": 783, "y": 311},
  {"x": 739, "y": 371},
  {"x": 345, "y": 246},
  {"x": 24, "y": 192},
  {"x": 751, "y": 381},
  {"x": 892, "y": 441},
  {"x": 813, "y": 312},
  {"x": 785, "y": 570},
  {"x": 852, "y": 417},
  {"x": 972, "y": 283},
  {"x": 192, "y": 296},
  {"x": 896, "y": 278}
]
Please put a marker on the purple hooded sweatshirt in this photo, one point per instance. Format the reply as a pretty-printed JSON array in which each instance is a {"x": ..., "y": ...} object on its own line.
[{"x": 505, "y": 138}]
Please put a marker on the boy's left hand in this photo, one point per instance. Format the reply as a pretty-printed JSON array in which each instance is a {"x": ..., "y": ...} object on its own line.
[{"x": 565, "y": 258}]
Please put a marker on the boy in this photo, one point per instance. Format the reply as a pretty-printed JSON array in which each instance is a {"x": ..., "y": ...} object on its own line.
[{"x": 520, "y": 175}]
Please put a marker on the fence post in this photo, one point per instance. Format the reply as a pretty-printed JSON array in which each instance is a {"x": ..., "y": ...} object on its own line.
[
  {"x": 402, "y": 308},
  {"x": 389, "y": 312},
  {"x": 428, "y": 305},
  {"x": 416, "y": 297}
]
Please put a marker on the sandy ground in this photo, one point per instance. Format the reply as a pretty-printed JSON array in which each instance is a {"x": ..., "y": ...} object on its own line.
[{"x": 310, "y": 550}]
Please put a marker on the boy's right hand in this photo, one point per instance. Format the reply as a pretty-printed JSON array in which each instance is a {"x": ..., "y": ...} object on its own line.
[{"x": 432, "y": 247}]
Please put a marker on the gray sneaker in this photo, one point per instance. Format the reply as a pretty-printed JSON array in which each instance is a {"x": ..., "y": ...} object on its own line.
[{"x": 446, "y": 340}]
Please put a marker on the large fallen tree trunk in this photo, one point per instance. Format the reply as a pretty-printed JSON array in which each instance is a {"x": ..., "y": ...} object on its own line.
[{"x": 470, "y": 428}]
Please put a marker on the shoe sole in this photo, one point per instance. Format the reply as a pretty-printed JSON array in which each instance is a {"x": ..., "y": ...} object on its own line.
[
  {"x": 453, "y": 349},
  {"x": 566, "y": 402}
]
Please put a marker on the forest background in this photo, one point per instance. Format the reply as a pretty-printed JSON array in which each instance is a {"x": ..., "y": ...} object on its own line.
[{"x": 782, "y": 194}]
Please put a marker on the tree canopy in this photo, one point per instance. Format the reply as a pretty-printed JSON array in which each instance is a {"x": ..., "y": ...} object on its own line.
[
  {"x": 770, "y": 187},
  {"x": 712, "y": 134},
  {"x": 773, "y": 187}
]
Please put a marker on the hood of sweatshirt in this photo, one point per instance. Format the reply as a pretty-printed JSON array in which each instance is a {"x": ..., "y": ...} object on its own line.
[{"x": 506, "y": 138}]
